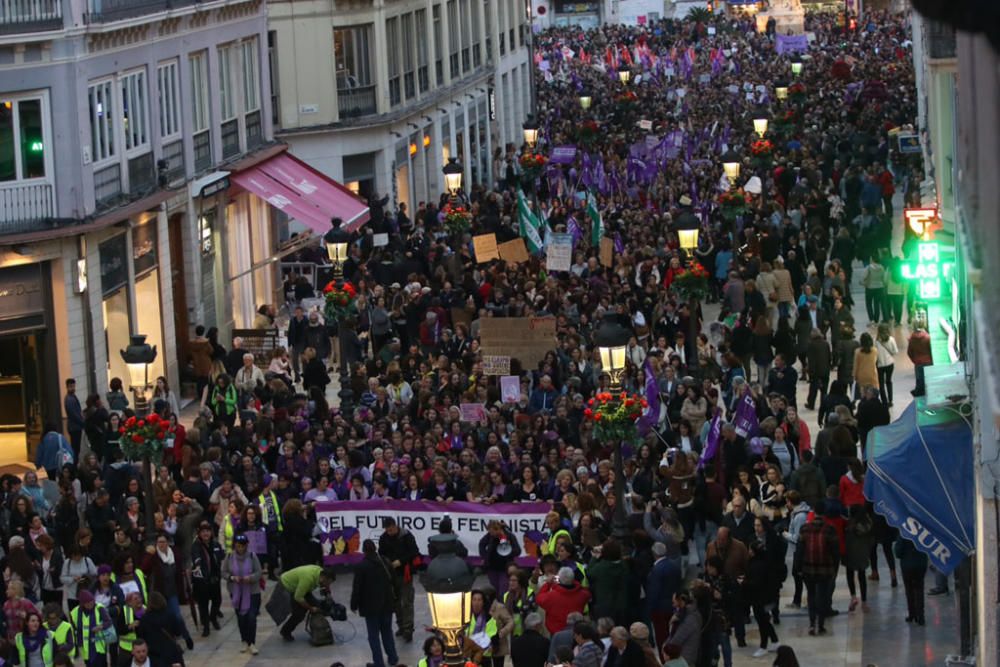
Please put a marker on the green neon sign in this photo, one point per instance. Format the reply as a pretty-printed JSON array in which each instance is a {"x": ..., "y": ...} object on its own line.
[
  {"x": 35, "y": 147},
  {"x": 927, "y": 270}
]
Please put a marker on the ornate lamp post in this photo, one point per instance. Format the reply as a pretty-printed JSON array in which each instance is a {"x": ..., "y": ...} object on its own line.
[
  {"x": 781, "y": 92},
  {"x": 797, "y": 67},
  {"x": 453, "y": 177},
  {"x": 530, "y": 129},
  {"x": 611, "y": 339},
  {"x": 731, "y": 166},
  {"x": 624, "y": 75},
  {"x": 448, "y": 581},
  {"x": 760, "y": 122},
  {"x": 585, "y": 100},
  {"x": 138, "y": 356},
  {"x": 337, "y": 241}
]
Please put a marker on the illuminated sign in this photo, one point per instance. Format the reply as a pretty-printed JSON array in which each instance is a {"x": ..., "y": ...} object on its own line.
[
  {"x": 927, "y": 270},
  {"x": 922, "y": 221}
]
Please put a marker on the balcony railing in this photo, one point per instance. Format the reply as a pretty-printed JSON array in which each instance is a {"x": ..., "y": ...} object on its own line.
[
  {"x": 103, "y": 11},
  {"x": 357, "y": 101},
  {"x": 22, "y": 205},
  {"x": 230, "y": 139},
  {"x": 18, "y": 16},
  {"x": 942, "y": 40},
  {"x": 108, "y": 186}
]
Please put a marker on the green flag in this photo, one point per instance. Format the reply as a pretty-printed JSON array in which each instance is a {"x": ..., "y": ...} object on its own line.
[
  {"x": 596, "y": 223},
  {"x": 529, "y": 223}
]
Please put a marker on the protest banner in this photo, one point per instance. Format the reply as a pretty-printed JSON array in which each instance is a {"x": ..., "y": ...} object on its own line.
[
  {"x": 607, "y": 252},
  {"x": 559, "y": 253},
  {"x": 513, "y": 251},
  {"x": 485, "y": 247},
  {"x": 526, "y": 339},
  {"x": 345, "y": 525},
  {"x": 496, "y": 365},
  {"x": 563, "y": 155},
  {"x": 472, "y": 412},
  {"x": 510, "y": 389},
  {"x": 790, "y": 44},
  {"x": 379, "y": 240}
]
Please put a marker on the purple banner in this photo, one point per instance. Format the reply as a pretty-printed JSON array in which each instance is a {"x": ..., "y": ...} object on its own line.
[
  {"x": 791, "y": 43},
  {"x": 745, "y": 420},
  {"x": 711, "y": 449},
  {"x": 345, "y": 525},
  {"x": 563, "y": 155}
]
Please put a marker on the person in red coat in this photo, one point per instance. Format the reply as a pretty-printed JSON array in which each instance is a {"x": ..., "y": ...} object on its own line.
[
  {"x": 560, "y": 598},
  {"x": 852, "y": 485}
]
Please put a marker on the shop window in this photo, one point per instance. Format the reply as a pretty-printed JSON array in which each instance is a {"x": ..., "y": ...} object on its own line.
[{"x": 22, "y": 139}]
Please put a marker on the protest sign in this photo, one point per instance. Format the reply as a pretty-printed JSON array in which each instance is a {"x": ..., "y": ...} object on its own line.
[
  {"x": 526, "y": 339},
  {"x": 790, "y": 44},
  {"x": 510, "y": 389},
  {"x": 559, "y": 253},
  {"x": 379, "y": 240},
  {"x": 346, "y": 524},
  {"x": 563, "y": 155},
  {"x": 495, "y": 365},
  {"x": 472, "y": 412},
  {"x": 607, "y": 252},
  {"x": 485, "y": 247},
  {"x": 513, "y": 251},
  {"x": 645, "y": 125}
]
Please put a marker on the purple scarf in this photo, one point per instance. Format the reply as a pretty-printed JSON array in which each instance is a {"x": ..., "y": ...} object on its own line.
[{"x": 241, "y": 567}]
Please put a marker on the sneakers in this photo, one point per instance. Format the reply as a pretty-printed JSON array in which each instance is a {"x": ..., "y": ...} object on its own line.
[
  {"x": 287, "y": 638},
  {"x": 812, "y": 630},
  {"x": 793, "y": 605},
  {"x": 938, "y": 591},
  {"x": 853, "y": 605},
  {"x": 243, "y": 647},
  {"x": 253, "y": 649},
  {"x": 773, "y": 648},
  {"x": 760, "y": 653}
]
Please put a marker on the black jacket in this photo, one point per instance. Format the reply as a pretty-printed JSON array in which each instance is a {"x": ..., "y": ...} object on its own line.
[
  {"x": 632, "y": 656},
  {"x": 297, "y": 333},
  {"x": 529, "y": 650},
  {"x": 372, "y": 592},
  {"x": 160, "y": 629},
  {"x": 402, "y": 547},
  {"x": 206, "y": 563}
]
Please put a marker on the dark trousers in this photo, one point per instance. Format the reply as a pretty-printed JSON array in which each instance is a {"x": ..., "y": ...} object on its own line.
[
  {"x": 763, "y": 618},
  {"x": 209, "y": 599},
  {"x": 894, "y": 304},
  {"x": 862, "y": 583},
  {"x": 920, "y": 389},
  {"x": 52, "y": 596},
  {"x": 816, "y": 589},
  {"x": 248, "y": 622},
  {"x": 913, "y": 585},
  {"x": 890, "y": 560},
  {"x": 661, "y": 625},
  {"x": 885, "y": 383},
  {"x": 797, "y": 596},
  {"x": 75, "y": 441},
  {"x": 379, "y": 636},
  {"x": 874, "y": 298},
  {"x": 817, "y": 384}
]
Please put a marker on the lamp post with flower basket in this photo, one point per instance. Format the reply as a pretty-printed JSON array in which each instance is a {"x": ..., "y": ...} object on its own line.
[
  {"x": 532, "y": 165},
  {"x": 761, "y": 152},
  {"x": 691, "y": 285},
  {"x": 340, "y": 305},
  {"x": 143, "y": 439}
]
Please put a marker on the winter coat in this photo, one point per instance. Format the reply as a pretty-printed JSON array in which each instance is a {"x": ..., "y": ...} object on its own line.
[
  {"x": 859, "y": 537},
  {"x": 608, "y": 584},
  {"x": 559, "y": 601},
  {"x": 372, "y": 593}
]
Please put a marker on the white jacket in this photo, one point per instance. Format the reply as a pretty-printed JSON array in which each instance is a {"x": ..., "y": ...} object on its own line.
[{"x": 886, "y": 351}]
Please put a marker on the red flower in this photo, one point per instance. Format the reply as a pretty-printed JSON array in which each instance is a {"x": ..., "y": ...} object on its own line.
[
  {"x": 597, "y": 417},
  {"x": 588, "y": 412},
  {"x": 137, "y": 439},
  {"x": 130, "y": 422},
  {"x": 329, "y": 287},
  {"x": 142, "y": 422},
  {"x": 153, "y": 418},
  {"x": 160, "y": 435},
  {"x": 121, "y": 430},
  {"x": 629, "y": 402}
]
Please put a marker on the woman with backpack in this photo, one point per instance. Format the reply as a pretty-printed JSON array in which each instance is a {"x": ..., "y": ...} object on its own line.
[{"x": 242, "y": 573}]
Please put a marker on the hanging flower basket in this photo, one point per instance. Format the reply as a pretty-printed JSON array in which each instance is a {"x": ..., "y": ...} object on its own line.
[
  {"x": 797, "y": 93},
  {"x": 341, "y": 301},
  {"x": 532, "y": 164},
  {"x": 141, "y": 437},
  {"x": 784, "y": 123},
  {"x": 691, "y": 283},
  {"x": 456, "y": 218},
  {"x": 588, "y": 131},
  {"x": 614, "y": 416},
  {"x": 732, "y": 204},
  {"x": 761, "y": 152}
]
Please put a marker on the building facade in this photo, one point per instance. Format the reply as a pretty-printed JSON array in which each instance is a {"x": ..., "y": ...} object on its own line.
[
  {"x": 378, "y": 94},
  {"x": 109, "y": 112}
]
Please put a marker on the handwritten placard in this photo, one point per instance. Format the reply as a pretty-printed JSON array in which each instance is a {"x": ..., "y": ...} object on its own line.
[
  {"x": 495, "y": 364},
  {"x": 510, "y": 389},
  {"x": 513, "y": 251},
  {"x": 472, "y": 412},
  {"x": 379, "y": 240},
  {"x": 607, "y": 252},
  {"x": 526, "y": 339},
  {"x": 485, "y": 247},
  {"x": 559, "y": 253}
]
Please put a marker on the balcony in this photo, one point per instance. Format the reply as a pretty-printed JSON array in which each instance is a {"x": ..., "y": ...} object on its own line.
[
  {"x": 356, "y": 101},
  {"x": 24, "y": 205},
  {"x": 20, "y": 16},
  {"x": 105, "y": 11},
  {"x": 941, "y": 40}
]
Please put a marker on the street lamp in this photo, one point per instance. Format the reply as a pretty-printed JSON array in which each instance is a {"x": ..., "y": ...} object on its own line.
[
  {"x": 612, "y": 339},
  {"x": 731, "y": 165},
  {"x": 781, "y": 91},
  {"x": 688, "y": 226},
  {"x": 624, "y": 74},
  {"x": 797, "y": 67},
  {"x": 336, "y": 241},
  {"x": 448, "y": 581},
  {"x": 530, "y": 128},
  {"x": 760, "y": 122},
  {"x": 453, "y": 177},
  {"x": 585, "y": 100},
  {"x": 138, "y": 356}
]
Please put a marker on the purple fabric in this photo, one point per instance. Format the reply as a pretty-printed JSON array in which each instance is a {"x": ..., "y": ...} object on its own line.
[
  {"x": 711, "y": 449},
  {"x": 790, "y": 43},
  {"x": 651, "y": 416},
  {"x": 745, "y": 420},
  {"x": 242, "y": 567}
]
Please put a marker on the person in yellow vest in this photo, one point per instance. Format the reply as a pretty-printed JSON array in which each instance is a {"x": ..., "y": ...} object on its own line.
[
  {"x": 127, "y": 625},
  {"x": 433, "y": 652},
  {"x": 566, "y": 554},
  {"x": 489, "y": 629},
  {"x": 555, "y": 532},
  {"x": 63, "y": 637},
  {"x": 34, "y": 643},
  {"x": 231, "y": 524},
  {"x": 518, "y": 600},
  {"x": 91, "y": 622},
  {"x": 128, "y": 578},
  {"x": 270, "y": 516}
]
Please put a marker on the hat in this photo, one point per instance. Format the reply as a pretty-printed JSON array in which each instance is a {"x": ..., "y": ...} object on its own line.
[
  {"x": 394, "y": 286},
  {"x": 84, "y": 596},
  {"x": 241, "y": 539},
  {"x": 268, "y": 479},
  {"x": 104, "y": 569}
]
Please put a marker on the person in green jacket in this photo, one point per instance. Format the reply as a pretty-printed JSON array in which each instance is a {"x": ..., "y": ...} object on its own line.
[
  {"x": 608, "y": 575},
  {"x": 63, "y": 638},
  {"x": 224, "y": 399},
  {"x": 300, "y": 582}
]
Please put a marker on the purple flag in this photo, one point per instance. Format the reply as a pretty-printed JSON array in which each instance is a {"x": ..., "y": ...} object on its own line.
[
  {"x": 711, "y": 449},
  {"x": 651, "y": 416},
  {"x": 619, "y": 245},
  {"x": 574, "y": 229},
  {"x": 745, "y": 421}
]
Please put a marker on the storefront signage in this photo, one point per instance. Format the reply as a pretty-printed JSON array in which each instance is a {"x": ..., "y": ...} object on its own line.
[
  {"x": 21, "y": 291},
  {"x": 576, "y": 7},
  {"x": 492, "y": 97},
  {"x": 114, "y": 264},
  {"x": 927, "y": 270}
]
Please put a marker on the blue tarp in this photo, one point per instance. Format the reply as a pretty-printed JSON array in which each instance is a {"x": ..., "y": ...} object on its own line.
[{"x": 921, "y": 479}]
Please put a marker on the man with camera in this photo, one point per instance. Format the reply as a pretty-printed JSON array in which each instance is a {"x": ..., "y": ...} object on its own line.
[{"x": 300, "y": 582}]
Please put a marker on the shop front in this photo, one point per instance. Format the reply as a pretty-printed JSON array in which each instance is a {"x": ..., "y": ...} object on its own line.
[
  {"x": 583, "y": 15},
  {"x": 29, "y": 380}
]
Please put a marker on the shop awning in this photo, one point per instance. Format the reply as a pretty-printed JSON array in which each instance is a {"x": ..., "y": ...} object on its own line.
[
  {"x": 303, "y": 193},
  {"x": 921, "y": 479}
]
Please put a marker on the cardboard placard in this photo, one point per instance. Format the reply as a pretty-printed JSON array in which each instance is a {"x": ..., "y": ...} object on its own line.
[
  {"x": 510, "y": 389},
  {"x": 496, "y": 365},
  {"x": 513, "y": 251},
  {"x": 607, "y": 252},
  {"x": 379, "y": 240},
  {"x": 472, "y": 412},
  {"x": 559, "y": 253},
  {"x": 646, "y": 125},
  {"x": 485, "y": 247},
  {"x": 527, "y": 339}
]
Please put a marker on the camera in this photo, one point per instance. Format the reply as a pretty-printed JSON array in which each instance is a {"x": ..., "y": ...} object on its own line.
[{"x": 332, "y": 610}]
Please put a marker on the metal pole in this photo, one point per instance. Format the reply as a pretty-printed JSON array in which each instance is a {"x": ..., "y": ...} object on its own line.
[{"x": 619, "y": 520}]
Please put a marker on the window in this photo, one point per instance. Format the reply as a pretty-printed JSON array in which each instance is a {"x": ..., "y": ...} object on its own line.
[
  {"x": 22, "y": 139},
  {"x": 488, "y": 23},
  {"x": 512, "y": 19},
  {"x": 421, "y": 38},
  {"x": 453, "y": 27},
  {"x": 477, "y": 56},
  {"x": 199, "y": 91},
  {"x": 251, "y": 75},
  {"x": 463, "y": 29},
  {"x": 392, "y": 53},
  {"x": 227, "y": 91},
  {"x": 409, "y": 83},
  {"x": 352, "y": 53},
  {"x": 102, "y": 124},
  {"x": 438, "y": 45},
  {"x": 503, "y": 32},
  {"x": 168, "y": 89},
  {"x": 135, "y": 107}
]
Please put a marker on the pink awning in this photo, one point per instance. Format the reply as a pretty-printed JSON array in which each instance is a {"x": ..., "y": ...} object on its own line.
[{"x": 303, "y": 193}]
